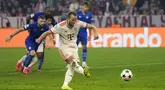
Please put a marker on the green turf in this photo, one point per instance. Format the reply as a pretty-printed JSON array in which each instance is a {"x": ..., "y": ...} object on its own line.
[{"x": 147, "y": 65}]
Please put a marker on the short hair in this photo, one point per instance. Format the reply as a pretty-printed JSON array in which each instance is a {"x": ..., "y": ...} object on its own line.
[
  {"x": 49, "y": 16},
  {"x": 86, "y": 3},
  {"x": 41, "y": 17},
  {"x": 71, "y": 13}
]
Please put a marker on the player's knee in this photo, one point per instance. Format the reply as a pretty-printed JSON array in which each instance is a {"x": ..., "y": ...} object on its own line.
[
  {"x": 69, "y": 60},
  {"x": 32, "y": 53},
  {"x": 27, "y": 52},
  {"x": 84, "y": 47},
  {"x": 39, "y": 55}
]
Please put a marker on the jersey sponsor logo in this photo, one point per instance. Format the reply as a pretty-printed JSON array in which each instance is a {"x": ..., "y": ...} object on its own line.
[{"x": 70, "y": 36}]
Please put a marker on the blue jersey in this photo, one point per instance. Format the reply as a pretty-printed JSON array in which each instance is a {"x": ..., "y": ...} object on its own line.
[
  {"x": 87, "y": 17},
  {"x": 35, "y": 31},
  {"x": 36, "y": 15}
]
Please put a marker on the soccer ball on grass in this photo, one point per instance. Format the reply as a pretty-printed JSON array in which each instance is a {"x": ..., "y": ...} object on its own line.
[{"x": 126, "y": 75}]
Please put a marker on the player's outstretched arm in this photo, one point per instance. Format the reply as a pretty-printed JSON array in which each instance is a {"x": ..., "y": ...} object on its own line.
[
  {"x": 45, "y": 34},
  {"x": 94, "y": 29},
  {"x": 90, "y": 34},
  {"x": 15, "y": 33},
  {"x": 52, "y": 40}
]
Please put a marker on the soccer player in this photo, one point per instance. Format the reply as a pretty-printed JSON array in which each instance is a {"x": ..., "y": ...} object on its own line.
[
  {"x": 34, "y": 17},
  {"x": 68, "y": 49},
  {"x": 49, "y": 19},
  {"x": 35, "y": 30},
  {"x": 86, "y": 16}
]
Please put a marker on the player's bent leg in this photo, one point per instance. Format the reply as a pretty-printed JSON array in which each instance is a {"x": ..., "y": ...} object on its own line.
[
  {"x": 68, "y": 77},
  {"x": 77, "y": 67},
  {"x": 40, "y": 56},
  {"x": 71, "y": 58},
  {"x": 84, "y": 56},
  {"x": 29, "y": 58},
  {"x": 22, "y": 59},
  {"x": 81, "y": 70},
  {"x": 34, "y": 61},
  {"x": 20, "y": 65},
  {"x": 70, "y": 72},
  {"x": 28, "y": 61},
  {"x": 19, "y": 62}
]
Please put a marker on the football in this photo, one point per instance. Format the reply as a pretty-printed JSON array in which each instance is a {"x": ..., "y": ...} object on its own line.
[{"x": 126, "y": 75}]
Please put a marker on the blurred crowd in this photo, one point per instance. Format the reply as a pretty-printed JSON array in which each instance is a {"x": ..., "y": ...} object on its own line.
[
  {"x": 97, "y": 7},
  {"x": 20, "y": 7},
  {"x": 114, "y": 7}
]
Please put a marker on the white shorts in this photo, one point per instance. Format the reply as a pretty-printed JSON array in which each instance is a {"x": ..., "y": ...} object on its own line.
[
  {"x": 41, "y": 47},
  {"x": 66, "y": 52}
]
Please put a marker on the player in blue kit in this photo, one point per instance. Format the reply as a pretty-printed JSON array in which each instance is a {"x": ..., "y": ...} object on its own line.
[
  {"x": 86, "y": 16},
  {"x": 40, "y": 51},
  {"x": 34, "y": 17},
  {"x": 35, "y": 30}
]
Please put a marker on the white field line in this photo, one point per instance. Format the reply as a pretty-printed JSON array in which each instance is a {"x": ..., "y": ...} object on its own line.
[
  {"x": 63, "y": 69},
  {"x": 147, "y": 64}
]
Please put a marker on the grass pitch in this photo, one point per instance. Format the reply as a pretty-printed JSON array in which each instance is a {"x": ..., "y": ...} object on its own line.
[{"x": 106, "y": 64}]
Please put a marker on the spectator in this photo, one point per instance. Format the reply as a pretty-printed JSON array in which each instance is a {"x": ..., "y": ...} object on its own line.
[
  {"x": 98, "y": 7},
  {"x": 29, "y": 11},
  {"x": 102, "y": 6},
  {"x": 64, "y": 14},
  {"x": 59, "y": 10},
  {"x": 135, "y": 12},
  {"x": 16, "y": 4},
  {"x": 19, "y": 13},
  {"x": 161, "y": 12},
  {"x": 13, "y": 12},
  {"x": 74, "y": 6},
  {"x": 40, "y": 6},
  {"x": 5, "y": 13},
  {"x": 9, "y": 6}
]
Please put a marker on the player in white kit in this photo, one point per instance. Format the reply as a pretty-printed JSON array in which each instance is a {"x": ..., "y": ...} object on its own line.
[{"x": 68, "y": 49}]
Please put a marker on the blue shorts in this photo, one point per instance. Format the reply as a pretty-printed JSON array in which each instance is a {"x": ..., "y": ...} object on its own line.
[
  {"x": 31, "y": 45},
  {"x": 82, "y": 39}
]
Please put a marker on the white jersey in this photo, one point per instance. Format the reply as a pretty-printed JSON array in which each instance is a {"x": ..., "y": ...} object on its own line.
[{"x": 67, "y": 36}]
